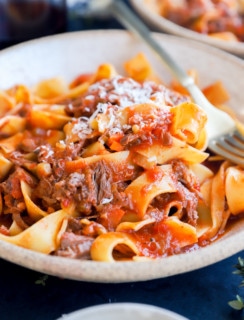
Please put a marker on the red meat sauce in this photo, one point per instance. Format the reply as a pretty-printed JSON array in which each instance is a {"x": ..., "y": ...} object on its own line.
[{"x": 97, "y": 189}]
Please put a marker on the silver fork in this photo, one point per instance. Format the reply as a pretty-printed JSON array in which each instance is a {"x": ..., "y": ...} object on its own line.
[{"x": 223, "y": 136}]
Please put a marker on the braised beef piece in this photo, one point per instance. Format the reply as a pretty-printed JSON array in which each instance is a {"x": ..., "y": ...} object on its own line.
[
  {"x": 74, "y": 246},
  {"x": 13, "y": 200},
  {"x": 185, "y": 176},
  {"x": 89, "y": 188},
  {"x": 188, "y": 193},
  {"x": 13, "y": 203}
]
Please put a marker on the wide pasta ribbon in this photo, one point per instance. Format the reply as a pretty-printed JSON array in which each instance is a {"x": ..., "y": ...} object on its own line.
[
  {"x": 55, "y": 90},
  {"x": 188, "y": 122},
  {"x": 218, "y": 209},
  {"x": 34, "y": 212},
  {"x": 103, "y": 247},
  {"x": 42, "y": 236},
  {"x": 148, "y": 185},
  {"x": 234, "y": 183},
  {"x": 126, "y": 243},
  {"x": 177, "y": 150}
]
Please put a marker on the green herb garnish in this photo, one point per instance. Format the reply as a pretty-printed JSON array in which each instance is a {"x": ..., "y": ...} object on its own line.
[
  {"x": 238, "y": 304},
  {"x": 42, "y": 280}
]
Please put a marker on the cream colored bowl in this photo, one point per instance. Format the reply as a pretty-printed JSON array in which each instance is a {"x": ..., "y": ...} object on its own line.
[
  {"x": 70, "y": 54},
  {"x": 161, "y": 24},
  {"x": 121, "y": 311}
]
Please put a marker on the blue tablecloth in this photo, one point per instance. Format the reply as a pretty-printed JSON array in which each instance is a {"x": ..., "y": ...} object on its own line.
[{"x": 198, "y": 295}]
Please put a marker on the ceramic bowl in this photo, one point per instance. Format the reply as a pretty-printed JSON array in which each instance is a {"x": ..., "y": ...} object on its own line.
[
  {"x": 70, "y": 54},
  {"x": 159, "y": 23}
]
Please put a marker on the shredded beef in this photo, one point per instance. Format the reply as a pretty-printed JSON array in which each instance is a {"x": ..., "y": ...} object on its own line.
[
  {"x": 102, "y": 177},
  {"x": 74, "y": 246},
  {"x": 90, "y": 189},
  {"x": 130, "y": 139},
  {"x": 45, "y": 192},
  {"x": 12, "y": 195},
  {"x": 187, "y": 193},
  {"x": 185, "y": 176}
]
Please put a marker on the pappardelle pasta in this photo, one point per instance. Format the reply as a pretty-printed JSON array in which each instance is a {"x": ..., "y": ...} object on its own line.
[{"x": 111, "y": 167}]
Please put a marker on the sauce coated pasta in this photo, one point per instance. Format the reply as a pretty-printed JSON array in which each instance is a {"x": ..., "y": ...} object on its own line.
[{"x": 111, "y": 167}]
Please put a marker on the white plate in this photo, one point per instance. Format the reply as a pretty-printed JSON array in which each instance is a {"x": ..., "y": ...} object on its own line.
[
  {"x": 161, "y": 24},
  {"x": 121, "y": 311},
  {"x": 70, "y": 54}
]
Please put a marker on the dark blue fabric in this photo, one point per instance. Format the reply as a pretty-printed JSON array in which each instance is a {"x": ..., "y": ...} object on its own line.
[{"x": 199, "y": 295}]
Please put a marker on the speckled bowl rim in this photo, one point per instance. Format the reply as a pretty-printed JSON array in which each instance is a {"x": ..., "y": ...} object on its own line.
[
  {"x": 164, "y": 25},
  {"x": 72, "y": 53}
]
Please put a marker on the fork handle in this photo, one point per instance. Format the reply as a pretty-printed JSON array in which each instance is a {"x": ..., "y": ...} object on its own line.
[{"x": 134, "y": 24}]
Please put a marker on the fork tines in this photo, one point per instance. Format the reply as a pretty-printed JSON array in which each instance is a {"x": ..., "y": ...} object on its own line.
[{"x": 230, "y": 146}]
